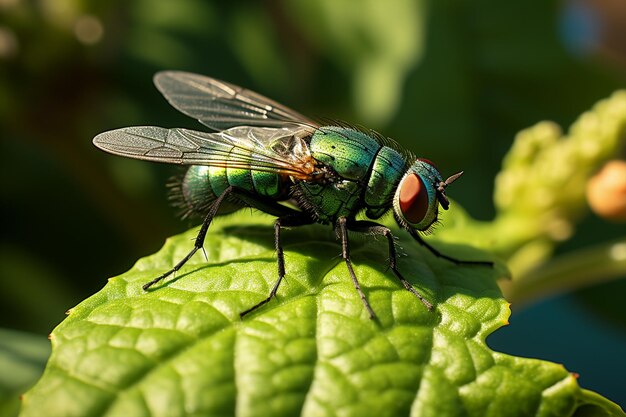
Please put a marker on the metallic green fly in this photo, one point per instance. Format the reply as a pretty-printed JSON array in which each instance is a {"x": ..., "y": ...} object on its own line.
[{"x": 262, "y": 153}]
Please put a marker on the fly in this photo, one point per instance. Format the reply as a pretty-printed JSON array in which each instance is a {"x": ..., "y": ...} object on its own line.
[{"x": 260, "y": 153}]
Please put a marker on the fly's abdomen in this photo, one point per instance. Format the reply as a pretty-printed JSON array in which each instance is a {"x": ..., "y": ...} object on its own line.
[
  {"x": 268, "y": 184},
  {"x": 261, "y": 183},
  {"x": 193, "y": 192},
  {"x": 201, "y": 185}
]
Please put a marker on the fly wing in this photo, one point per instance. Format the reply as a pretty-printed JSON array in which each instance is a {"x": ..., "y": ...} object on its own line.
[
  {"x": 221, "y": 105},
  {"x": 281, "y": 150}
]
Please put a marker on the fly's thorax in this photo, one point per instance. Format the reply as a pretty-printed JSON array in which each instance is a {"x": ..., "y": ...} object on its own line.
[
  {"x": 415, "y": 202},
  {"x": 362, "y": 173},
  {"x": 326, "y": 202},
  {"x": 348, "y": 152},
  {"x": 387, "y": 171}
]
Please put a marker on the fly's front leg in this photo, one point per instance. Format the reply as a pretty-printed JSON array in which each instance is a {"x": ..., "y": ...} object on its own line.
[
  {"x": 438, "y": 254},
  {"x": 379, "y": 229},
  {"x": 199, "y": 238},
  {"x": 342, "y": 232},
  {"x": 292, "y": 220}
]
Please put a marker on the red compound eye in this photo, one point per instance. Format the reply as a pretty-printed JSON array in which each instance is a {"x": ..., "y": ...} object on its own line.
[
  {"x": 413, "y": 199},
  {"x": 428, "y": 161}
]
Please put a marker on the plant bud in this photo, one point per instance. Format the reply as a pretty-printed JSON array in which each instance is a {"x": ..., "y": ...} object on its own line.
[{"x": 606, "y": 191}]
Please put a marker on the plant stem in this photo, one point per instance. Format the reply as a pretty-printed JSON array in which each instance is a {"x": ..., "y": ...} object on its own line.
[{"x": 574, "y": 270}]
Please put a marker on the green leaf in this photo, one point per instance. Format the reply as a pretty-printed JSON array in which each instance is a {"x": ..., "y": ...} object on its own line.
[
  {"x": 22, "y": 360},
  {"x": 183, "y": 350}
]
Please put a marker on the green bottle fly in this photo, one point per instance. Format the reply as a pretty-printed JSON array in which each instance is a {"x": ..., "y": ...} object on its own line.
[{"x": 262, "y": 153}]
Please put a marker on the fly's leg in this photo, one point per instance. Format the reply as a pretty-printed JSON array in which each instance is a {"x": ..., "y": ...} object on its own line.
[
  {"x": 379, "y": 229},
  {"x": 199, "y": 238},
  {"x": 345, "y": 253},
  {"x": 293, "y": 220},
  {"x": 438, "y": 254}
]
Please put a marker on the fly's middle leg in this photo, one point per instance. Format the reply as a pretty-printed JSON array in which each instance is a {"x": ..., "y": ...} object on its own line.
[{"x": 342, "y": 232}]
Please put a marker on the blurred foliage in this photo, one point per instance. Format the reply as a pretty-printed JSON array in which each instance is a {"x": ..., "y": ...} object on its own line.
[
  {"x": 540, "y": 197},
  {"x": 378, "y": 47},
  {"x": 452, "y": 80},
  {"x": 22, "y": 358}
]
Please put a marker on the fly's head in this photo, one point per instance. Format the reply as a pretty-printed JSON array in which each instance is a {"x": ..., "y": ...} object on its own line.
[{"x": 420, "y": 192}]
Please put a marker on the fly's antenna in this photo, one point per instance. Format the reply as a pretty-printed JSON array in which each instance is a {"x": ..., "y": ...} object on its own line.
[
  {"x": 452, "y": 178},
  {"x": 441, "y": 189}
]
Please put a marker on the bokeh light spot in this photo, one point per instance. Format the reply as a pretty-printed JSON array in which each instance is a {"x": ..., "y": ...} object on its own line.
[{"x": 88, "y": 30}]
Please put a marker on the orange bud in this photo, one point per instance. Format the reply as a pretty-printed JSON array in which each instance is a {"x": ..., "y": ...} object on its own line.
[{"x": 606, "y": 191}]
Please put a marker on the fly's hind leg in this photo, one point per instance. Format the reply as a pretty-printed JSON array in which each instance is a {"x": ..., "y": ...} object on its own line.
[
  {"x": 290, "y": 220},
  {"x": 199, "y": 238},
  {"x": 378, "y": 229},
  {"x": 287, "y": 217}
]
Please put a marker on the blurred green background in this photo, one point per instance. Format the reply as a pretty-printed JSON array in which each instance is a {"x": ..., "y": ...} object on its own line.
[{"x": 452, "y": 80}]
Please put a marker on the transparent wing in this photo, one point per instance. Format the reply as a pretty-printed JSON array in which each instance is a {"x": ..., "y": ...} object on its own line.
[
  {"x": 279, "y": 150},
  {"x": 220, "y": 105}
]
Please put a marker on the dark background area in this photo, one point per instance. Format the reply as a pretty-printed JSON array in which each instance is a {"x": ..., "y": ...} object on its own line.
[{"x": 452, "y": 80}]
